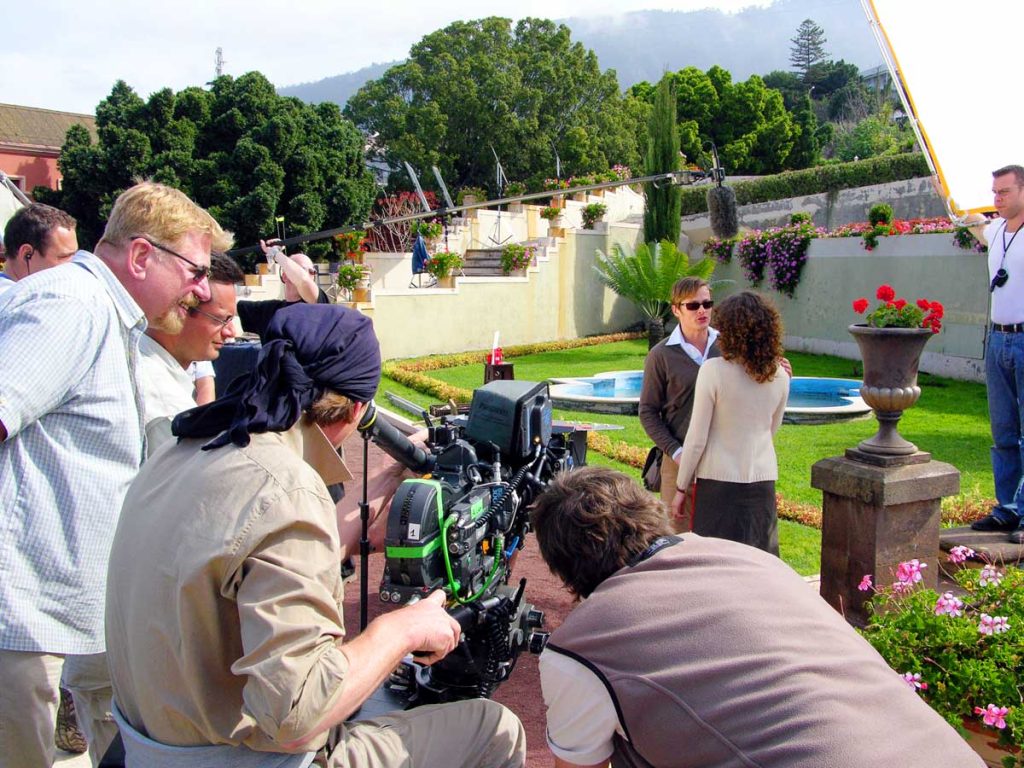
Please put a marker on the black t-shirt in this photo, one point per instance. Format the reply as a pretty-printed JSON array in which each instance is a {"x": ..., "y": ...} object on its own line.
[{"x": 255, "y": 316}]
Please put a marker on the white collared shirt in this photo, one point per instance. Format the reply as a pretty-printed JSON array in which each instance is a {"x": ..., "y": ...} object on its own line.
[{"x": 676, "y": 337}]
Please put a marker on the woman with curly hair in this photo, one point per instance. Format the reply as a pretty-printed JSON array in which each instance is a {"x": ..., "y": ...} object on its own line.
[{"x": 739, "y": 402}]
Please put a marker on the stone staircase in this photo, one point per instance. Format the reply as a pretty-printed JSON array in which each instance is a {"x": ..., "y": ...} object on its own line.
[
  {"x": 486, "y": 262},
  {"x": 482, "y": 262}
]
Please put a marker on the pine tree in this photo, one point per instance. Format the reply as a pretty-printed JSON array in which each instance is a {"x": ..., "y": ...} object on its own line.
[
  {"x": 808, "y": 49},
  {"x": 662, "y": 203}
]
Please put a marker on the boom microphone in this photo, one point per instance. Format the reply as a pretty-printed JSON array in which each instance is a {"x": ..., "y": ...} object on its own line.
[{"x": 722, "y": 210}]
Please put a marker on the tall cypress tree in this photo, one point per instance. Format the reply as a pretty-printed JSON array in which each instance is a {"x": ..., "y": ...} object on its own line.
[{"x": 661, "y": 204}]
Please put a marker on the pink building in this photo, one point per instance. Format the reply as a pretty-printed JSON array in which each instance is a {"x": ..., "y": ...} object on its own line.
[{"x": 30, "y": 142}]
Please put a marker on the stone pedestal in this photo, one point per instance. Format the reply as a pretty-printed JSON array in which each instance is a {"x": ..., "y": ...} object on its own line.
[{"x": 873, "y": 518}]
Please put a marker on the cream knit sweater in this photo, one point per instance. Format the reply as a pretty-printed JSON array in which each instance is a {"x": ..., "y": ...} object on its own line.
[{"x": 734, "y": 418}]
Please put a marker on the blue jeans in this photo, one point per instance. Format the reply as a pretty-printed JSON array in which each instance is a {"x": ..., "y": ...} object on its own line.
[{"x": 1004, "y": 373}]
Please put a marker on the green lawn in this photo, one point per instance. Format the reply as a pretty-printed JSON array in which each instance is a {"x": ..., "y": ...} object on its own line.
[{"x": 950, "y": 420}]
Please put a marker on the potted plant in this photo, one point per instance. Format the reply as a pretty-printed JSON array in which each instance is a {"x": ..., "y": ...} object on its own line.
[
  {"x": 352, "y": 244},
  {"x": 515, "y": 189},
  {"x": 354, "y": 280},
  {"x": 431, "y": 230},
  {"x": 516, "y": 258},
  {"x": 553, "y": 214},
  {"x": 961, "y": 652},
  {"x": 891, "y": 343},
  {"x": 593, "y": 213},
  {"x": 471, "y": 196},
  {"x": 442, "y": 265}
]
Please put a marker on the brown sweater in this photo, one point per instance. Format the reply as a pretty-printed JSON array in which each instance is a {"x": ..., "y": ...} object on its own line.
[
  {"x": 716, "y": 654},
  {"x": 666, "y": 399}
]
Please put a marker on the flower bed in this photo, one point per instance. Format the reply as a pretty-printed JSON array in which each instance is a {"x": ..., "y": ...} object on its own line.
[
  {"x": 781, "y": 252},
  {"x": 963, "y": 653}
]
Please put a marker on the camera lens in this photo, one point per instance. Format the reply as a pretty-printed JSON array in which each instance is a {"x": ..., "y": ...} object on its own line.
[{"x": 999, "y": 280}]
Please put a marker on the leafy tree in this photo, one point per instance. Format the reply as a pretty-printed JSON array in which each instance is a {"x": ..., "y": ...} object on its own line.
[
  {"x": 646, "y": 275},
  {"x": 874, "y": 136},
  {"x": 238, "y": 149},
  {"x": 789, "y": 85},
  {"x": 808, "y": 49},
  {"x": 661, "y": 203},
  {"x": 526, "y": 90},
  {"x": 806, "y": 145}
]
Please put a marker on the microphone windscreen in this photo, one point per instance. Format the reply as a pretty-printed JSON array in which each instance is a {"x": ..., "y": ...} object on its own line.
[{"x": 725, "y": 221}]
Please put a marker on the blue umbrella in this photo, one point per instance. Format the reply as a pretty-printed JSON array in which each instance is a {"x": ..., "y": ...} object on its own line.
[{"x": 419, "y": 255}]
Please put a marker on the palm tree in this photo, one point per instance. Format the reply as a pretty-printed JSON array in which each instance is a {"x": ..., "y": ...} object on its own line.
[{"x": 646, "y": 275}]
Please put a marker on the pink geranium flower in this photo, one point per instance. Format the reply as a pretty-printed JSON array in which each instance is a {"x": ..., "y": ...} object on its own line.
[
  {"x": 865, "y": 583},
  {"x": 960, "y": 554},
  {"x": 913, "y": 679},
  {"x": 990, "y": 575},
  {"x": 909, "y": 572},
  {"x": 992, "y": 715},
  {"x": 949, "y": 605},
  {"x": 993, "y": 625}
]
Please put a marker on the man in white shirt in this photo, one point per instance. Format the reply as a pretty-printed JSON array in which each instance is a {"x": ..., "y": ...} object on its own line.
[
  {"x": 1004, "y": 351},
  {"x": 166, "y": 358}
]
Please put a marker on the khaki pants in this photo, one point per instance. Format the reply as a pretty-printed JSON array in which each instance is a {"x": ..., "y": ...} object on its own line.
[
  {"x": 474, "y": 733},
  {"x": 669, "y": 473},
  {"x": 28, "y": 705}
]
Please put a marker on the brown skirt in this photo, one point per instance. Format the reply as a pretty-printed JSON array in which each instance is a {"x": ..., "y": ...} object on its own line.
[{"x": 743, "y": 512}]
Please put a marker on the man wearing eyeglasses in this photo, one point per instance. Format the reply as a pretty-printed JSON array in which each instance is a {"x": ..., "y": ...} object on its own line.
[
  {"x": 165, "y": 357},
  {"x": 71, "y": 441},
  {"x": 299, "y": 278},
  {"x": 1004, "y": 351}
]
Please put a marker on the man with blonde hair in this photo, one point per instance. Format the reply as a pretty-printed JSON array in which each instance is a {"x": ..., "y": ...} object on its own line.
[{"x": 71, "y": 441}]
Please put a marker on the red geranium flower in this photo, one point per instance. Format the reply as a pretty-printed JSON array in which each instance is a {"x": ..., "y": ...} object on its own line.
[
  {"x": 860, "y": 306},
  {"x": 937, "y": 309},
  {"x": 924, "y": 304},
  {"x": 900, "y": 303},
  {"x": 885, "y": 293}
]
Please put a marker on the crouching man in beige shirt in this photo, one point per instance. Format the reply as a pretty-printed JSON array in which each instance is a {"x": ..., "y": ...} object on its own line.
[{"x": 225, "y": 635}]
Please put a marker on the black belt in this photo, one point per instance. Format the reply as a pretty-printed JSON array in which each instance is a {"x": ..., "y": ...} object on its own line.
[{"x": 1013, "y": 328}]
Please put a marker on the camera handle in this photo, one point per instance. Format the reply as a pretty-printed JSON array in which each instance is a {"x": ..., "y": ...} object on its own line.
[{"x": 364, "y": 539}]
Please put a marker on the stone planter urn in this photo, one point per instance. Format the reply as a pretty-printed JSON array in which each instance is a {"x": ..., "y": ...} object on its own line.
[{"x": 891, "y": 357}]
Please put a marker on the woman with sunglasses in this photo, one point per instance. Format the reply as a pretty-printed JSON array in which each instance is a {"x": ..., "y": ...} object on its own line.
[
  {"x": 670, "y": 374},
  {"x": 738, "y": 405}
]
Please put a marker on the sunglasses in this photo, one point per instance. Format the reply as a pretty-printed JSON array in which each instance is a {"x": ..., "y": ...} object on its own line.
[
  {"x": 199, "y": 273},
  {"x": 220, "y": 322},
  {"x": 693, "y": 306}
]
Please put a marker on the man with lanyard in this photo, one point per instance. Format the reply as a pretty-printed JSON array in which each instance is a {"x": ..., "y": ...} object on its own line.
[
  {"x": 1004, "y": 352},
  {"x": 689, "y": 651}
]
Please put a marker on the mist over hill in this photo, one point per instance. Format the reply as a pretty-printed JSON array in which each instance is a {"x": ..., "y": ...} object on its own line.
[{"x": 641, "y": 45}]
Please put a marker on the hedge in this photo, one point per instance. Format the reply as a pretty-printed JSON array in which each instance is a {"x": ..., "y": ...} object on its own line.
[{"x": 815, "y": 181}]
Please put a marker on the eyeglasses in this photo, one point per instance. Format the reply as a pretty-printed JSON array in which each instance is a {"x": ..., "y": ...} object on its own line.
[
  {"x": 220, "y": 322},
  {"x": 693, "y": 306},
  {"x": 199, "y": 273}
]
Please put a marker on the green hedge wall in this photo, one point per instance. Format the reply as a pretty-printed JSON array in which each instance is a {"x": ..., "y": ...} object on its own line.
[{"x": 814, "y": 181}]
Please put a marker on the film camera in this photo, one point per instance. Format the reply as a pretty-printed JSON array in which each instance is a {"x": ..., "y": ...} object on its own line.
[{"x": 459, "y": 526}]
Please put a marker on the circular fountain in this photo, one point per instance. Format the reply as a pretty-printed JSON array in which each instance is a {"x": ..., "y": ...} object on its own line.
[{"x": 812, "y": 399}]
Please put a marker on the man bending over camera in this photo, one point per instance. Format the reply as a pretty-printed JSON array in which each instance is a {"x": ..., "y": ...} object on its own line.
[
  {"x": 224, "y": 605},
  {"x": 688, "y": 652}
]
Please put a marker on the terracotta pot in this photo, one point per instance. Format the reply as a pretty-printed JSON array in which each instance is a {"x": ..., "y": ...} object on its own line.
[
  {"x": 448, "y": 281},
  {"x": 985, "y": 741},
  {"x": 891, "y": 357}
]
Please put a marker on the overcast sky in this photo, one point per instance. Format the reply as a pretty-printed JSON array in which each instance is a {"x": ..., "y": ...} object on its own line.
[{"x": 64, "y": 55}]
